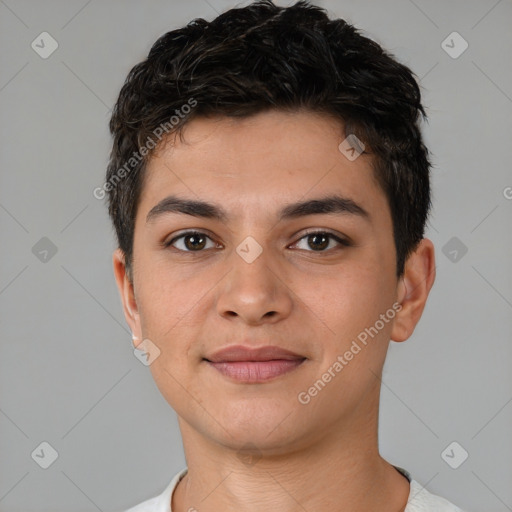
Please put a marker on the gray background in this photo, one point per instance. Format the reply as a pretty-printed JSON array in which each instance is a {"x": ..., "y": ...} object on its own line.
[{"x": 68, "y": 375}]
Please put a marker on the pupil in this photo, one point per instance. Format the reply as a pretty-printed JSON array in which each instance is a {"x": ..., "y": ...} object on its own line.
[
  {"x": 194, "y": 242},
  {"x": 318, "y": 242}
]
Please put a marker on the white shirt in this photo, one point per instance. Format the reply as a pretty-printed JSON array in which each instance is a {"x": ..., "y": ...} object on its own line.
[{"x": 420, "y": 500}]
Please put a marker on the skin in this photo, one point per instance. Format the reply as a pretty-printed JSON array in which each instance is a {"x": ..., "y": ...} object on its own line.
[{"x": 249, "y": 446}]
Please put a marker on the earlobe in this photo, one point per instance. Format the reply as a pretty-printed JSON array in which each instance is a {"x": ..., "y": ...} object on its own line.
[
  {"x": 135, "y": 341},
  {"x": 126, "y": 291},
  {"x": 413, "y": 289}
]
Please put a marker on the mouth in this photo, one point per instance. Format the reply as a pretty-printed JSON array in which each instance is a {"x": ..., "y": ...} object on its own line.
[
  {"x": 256, "y": 371},
  {"x": 248, "y": 365}
]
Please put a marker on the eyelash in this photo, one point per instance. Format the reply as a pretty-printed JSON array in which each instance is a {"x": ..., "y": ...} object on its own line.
[{"x": 340, "y": 241}]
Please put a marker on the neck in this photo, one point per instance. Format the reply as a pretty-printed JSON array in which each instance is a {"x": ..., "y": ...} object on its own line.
[{"x": 340, "y": 471}]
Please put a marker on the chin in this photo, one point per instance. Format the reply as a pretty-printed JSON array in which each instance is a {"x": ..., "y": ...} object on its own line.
[{"x": 271, "y": 432}]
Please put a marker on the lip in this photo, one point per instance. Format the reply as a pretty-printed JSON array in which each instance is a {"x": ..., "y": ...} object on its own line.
[
  {"x": 253, "y": 365},
  {"x": 238, "y": 353}
]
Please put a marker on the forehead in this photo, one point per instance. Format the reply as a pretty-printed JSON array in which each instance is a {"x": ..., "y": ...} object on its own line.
[{"x": 258, "y": 163}]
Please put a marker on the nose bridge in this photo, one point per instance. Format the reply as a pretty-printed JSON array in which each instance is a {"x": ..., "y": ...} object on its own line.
[
  {"x": 253, "y": 289},
  {"x": 252, "y": 272}
]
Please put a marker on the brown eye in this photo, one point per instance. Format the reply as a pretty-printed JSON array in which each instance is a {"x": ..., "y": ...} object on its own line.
[
  {"x": 192, "y": 241},
  {"x": 318, "y": 241},
  {"x": 321, "y": 241}
]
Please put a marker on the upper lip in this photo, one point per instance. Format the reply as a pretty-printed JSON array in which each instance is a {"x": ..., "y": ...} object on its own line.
[{"x": 243, "y": 353}]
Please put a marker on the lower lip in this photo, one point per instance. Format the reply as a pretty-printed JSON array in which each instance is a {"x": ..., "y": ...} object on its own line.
[{"x": 256, "y": 371}]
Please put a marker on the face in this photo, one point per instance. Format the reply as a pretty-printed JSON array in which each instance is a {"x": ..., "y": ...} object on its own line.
[{"x": 294, "y": 249}]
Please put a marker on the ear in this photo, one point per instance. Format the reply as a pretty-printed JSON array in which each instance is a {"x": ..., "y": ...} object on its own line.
[
  {"x": 126, "y": 290},
  {"x": 413, "y": 289}
]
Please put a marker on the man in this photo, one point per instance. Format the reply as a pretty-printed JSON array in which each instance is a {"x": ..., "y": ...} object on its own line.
[{"x": 269, "y": 188}]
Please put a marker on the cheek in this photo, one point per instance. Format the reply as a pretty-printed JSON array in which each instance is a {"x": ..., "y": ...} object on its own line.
[
  {"x": 174, "y": 307},
  {"x": 167, "y": 297},
  {"x": 350, "y": 302}
]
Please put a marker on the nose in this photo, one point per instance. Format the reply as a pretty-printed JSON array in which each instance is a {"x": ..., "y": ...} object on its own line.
[{"x": 254, "y": 293}]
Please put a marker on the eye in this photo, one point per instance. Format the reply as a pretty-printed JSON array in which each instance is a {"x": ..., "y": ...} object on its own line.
[
  {"x": 316, "y": 241},
  {"x": 192, "y": 241},
  {"x": 320, "y": 241}
]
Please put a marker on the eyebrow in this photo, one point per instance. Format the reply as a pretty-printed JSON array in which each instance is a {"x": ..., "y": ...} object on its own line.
[{"x": 333, "y": 204}]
